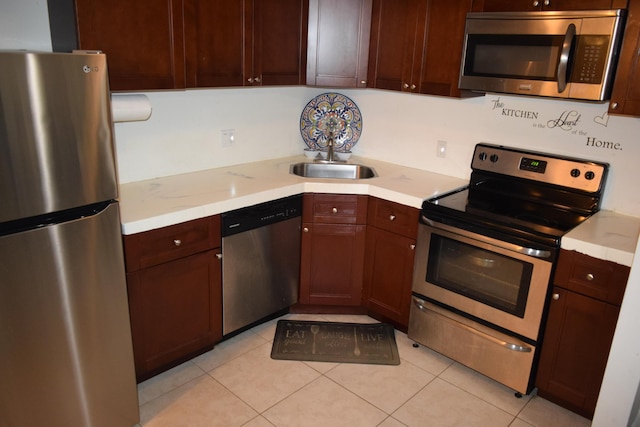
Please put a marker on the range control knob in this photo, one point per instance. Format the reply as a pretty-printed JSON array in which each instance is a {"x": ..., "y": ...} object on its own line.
[
  {"x": 589, "y": 175},
  {"x": 493, "y": 158},
  {"x": 482, "y": 156},
  {"x": 575, "y": 173}
]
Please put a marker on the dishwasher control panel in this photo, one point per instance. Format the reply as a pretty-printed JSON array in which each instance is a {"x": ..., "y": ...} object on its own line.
[{"x": 261, "y": 215}]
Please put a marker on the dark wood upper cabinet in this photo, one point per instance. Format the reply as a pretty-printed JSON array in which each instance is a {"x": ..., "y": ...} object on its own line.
[
  {"x": 215, "y": 36},
  {"x": 538, "y": 5},
  {"x": 396, "y": 26},
  {"x": 142, "y": 40},
  {"x": 416, "y": 45},
  {"x": 338, "y": 42},
  {"x": 442, "y": 52},
  {"x": 173, "y": 44},
  {"x": 625, "y": 98},
  {"x": 280, "y": 41},
  {"x": 245, "y": 43}
]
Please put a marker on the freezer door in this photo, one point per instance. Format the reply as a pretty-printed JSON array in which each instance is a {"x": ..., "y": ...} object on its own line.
[
  {"x": 55, "y": 133},
  {"x": 65, "y": 338}
]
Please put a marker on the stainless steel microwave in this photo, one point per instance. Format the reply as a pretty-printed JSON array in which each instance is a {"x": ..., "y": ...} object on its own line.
[{"x": 557, "y": 54}]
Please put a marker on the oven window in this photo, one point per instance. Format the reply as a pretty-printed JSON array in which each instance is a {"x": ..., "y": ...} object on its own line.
[
  {"x": 531, "y": 57},
  {"x": 488, "y": 277}
]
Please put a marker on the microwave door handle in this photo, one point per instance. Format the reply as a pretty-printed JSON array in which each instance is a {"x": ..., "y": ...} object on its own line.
[{"x": 563, "y": 63}]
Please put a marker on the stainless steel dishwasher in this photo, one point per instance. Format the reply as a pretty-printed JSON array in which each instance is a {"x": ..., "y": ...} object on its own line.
[{"x": 260, "y": 261}]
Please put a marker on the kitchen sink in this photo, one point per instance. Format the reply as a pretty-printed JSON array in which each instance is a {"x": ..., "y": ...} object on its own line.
[{"x": 332, "y": 170}]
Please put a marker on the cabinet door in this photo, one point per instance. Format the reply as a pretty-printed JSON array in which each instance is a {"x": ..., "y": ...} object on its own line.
[
  {"x": 142, "y": 40},
  {"x": 625, "y": 98},
  {"x": 176, "y": 311},
  {"x": 215, "y": 39},
  {"x": 338, "y": 42},
  {"x": 388, "y": 273},
  {"x": 575, "y": 349},
  {"x": 331, "y": 264},
  {"x": 442, "y": 54},
  {"x": 396, "y": 44},
  {"x": 279, "y": 42}
]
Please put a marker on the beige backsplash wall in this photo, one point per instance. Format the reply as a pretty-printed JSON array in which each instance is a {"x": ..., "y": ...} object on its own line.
[{"x": 183, "y": 133}]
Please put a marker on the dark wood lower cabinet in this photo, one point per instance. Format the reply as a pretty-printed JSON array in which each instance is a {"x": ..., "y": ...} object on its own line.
[
  {"x": 388, "y": 272},
  {"x": 575, "y": 350},
  {"x": 583, "y": 312},
  {"x": 174, "y": 281},
  {"x": 332, "y": 261},
  {"x": 176, "y": 311}
]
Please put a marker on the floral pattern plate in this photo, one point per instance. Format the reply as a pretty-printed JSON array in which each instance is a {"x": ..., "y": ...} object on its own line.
[{"x": 331, "y": 113}]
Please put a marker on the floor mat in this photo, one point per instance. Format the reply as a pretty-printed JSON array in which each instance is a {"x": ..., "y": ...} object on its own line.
[{"x": 373, "y": 343}]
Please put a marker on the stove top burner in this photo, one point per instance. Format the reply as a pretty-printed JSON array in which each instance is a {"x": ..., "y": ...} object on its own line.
[{"x": 511, "y": 199}]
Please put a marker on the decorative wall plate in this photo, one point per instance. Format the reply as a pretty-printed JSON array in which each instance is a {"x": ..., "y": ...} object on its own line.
[{"x": 331, "y": 113}]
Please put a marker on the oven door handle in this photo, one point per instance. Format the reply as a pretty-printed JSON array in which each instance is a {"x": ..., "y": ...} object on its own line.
[
  {"x": 508, "y": 345},
  {"x": 536, "y": 253}
]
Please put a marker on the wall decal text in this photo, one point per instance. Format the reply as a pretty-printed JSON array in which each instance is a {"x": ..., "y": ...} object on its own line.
[{"x": 569, "y": 121}]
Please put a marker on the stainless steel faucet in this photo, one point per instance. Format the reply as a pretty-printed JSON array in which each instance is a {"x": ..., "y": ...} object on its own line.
[{"x": 330, "y": 145}]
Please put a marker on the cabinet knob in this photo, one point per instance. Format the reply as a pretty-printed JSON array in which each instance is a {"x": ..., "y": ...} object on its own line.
[
  {"x": 413, "y": 87},
  {"x": 219, "y": 256},
  {"x": 257, "y": 79},
  {"x": 412, "y": 246},
  {"x": 614, "y": 105},
  {"x": 363, "y": 82},
  {"x": 250, "y": 79},
  {"x": 536, "y": 3},
  {"x": 177, "y": 242},
  {"x": 555, "y": 296},
  {"x": 334, "y": 210},
  {"x": 406, "y": 85},
  {"x": 392, "y": 217},
  {"x": 305, "y": 229},
  {"x": 590, "y": 276},
  {"x": 547, "y": 2}
]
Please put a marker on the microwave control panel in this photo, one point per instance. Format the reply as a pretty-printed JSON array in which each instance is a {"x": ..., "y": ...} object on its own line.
[{"x": 590, "y": 59}]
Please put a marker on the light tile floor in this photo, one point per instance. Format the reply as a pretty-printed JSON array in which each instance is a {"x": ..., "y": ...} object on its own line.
[{"x": 238, "y": 384}]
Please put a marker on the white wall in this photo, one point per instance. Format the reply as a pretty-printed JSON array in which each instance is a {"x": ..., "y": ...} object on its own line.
[
  {"x": 183, "y": 135},
  {"x": 24, "y": 24}
]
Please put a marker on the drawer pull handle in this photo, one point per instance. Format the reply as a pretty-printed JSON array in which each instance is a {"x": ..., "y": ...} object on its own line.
[
  {"x": 392, "y": 217},
  {"x": 177, "y": 242},
  {"x": 590, "y": 277},
  {"x": 508, "y": 345},
  {"x": 334, "y": 210},
  {"x": 556, "y": 297}
]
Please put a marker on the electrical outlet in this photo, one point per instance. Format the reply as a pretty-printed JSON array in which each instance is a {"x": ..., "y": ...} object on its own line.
[
  {"x": 442, "y": 149},
  {"x": 228, "y": 137}
]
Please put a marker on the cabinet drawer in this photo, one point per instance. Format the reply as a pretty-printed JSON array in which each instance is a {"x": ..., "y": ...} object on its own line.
[
  {"x": 393, "y": 217},
  {"x": 592, "y": 277},
  {"x": 335, "y": 208},
  {"x": 155, "y": 247}
]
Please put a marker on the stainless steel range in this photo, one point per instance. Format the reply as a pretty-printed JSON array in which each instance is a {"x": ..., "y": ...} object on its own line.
[{"x": 486, "y": 253}]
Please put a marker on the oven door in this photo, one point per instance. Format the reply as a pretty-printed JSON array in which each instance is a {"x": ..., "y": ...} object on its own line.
[{"x": 487, "y": 279}]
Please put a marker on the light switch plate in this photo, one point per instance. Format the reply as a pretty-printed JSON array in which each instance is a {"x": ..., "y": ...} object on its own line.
[{"x": 228, "y": 137}]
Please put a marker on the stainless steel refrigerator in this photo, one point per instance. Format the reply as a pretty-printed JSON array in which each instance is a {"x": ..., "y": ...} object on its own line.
[{"x": 66, "y": 357}]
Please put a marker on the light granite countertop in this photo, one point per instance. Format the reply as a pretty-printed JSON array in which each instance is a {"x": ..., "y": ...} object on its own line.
[
  {"x": 606, "y": 235},
  {"x": 160, "y": 202}
]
